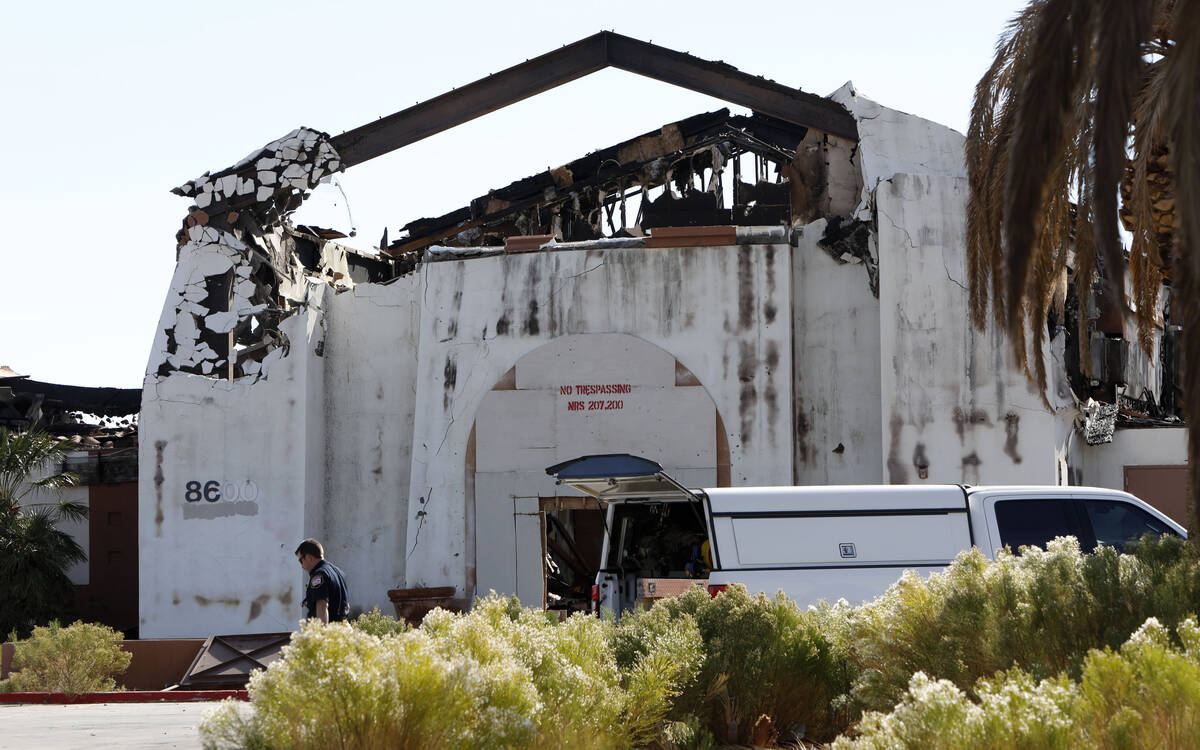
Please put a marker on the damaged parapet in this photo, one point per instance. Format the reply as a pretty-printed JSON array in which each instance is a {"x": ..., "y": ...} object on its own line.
[{"x": 242, "y": 267}]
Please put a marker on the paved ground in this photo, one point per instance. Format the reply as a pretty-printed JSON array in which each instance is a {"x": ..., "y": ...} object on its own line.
[{"x": 102, "y": 726}]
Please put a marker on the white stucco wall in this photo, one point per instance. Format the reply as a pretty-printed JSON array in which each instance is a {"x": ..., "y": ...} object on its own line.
[
  {"x": 360, "y": 435},
  {"x": 721, "y": 311},
  {"x": 836, "y": 368},
  {"x": 953, "y": 404},
  {"x": 228, "y": 566},
  {"x": 369, "y": 367},
  {"x": 1104, "y": 465},
  {"x": 892, "y": 142}
]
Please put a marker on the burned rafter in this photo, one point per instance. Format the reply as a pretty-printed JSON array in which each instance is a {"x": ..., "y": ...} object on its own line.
[
  {"x": 599, "y": 51},
  {"x": 584, "y": 195}
]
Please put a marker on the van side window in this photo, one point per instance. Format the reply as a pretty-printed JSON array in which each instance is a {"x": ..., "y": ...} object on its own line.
[
  {"x": 1033, "y": 522},
  {"x": 1116, "y": 523}
]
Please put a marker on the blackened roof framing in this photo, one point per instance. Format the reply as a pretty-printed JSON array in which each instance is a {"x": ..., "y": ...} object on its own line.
[{"x": 603, "y": 50}]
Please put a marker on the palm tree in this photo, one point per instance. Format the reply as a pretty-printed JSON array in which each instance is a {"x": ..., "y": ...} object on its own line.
[
  {"x": 1085, "y": 95},
  {"x": 34, "y": 552}
]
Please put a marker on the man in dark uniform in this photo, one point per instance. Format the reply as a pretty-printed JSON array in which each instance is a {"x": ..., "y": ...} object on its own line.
[{"x": 326, "y": 596}]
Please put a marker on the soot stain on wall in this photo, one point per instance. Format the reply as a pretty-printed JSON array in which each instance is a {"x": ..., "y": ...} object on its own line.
[
  {"x": 449, "y": 381},
  {"x": 1012, "y": 428},
  {"x": 897, "y": 473},
  {"x": 748, "y": 393}
]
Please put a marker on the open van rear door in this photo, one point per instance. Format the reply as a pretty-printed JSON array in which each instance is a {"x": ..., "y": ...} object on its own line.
[
  {"x": 620, "y": 477},
  {"x": 655, "y": 528}
]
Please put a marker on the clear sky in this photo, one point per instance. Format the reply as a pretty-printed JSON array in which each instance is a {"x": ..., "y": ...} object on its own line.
[{"x": 107, "y": 106}]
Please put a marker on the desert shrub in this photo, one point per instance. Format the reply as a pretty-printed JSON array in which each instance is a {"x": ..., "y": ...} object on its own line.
[
  {"x": 340, "y": 687},
  {"x": 1011, "y": 712},
  {"x": 762, "y": 655},
  {"x": 377, "y": 623},
  {"x": 1170, "y": 573},
  {"x": 80, "y": 658},
  {"x": 586, "y": 699},
  {"x": 499, "y": 676},
  {"x": 1041, "y": 611},
  {"x": 1146, "y": 695}
]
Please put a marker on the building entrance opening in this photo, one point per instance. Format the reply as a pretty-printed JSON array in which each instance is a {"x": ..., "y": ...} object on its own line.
[{"x": 580, "y": 395}]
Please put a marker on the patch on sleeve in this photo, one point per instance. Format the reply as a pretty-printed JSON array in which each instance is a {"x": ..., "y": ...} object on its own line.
[{"x": 316, "y": 580}]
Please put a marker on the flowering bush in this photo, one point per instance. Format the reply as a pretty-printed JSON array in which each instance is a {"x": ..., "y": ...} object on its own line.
[
  {"x": 377, "y": 623},
  {"x": 760, "y": 655},
  {"x": 1147, "y": 695},
  {"x": 1042, "y": 611},
  {"x": 499, "y": 676},
  {"x": 984, "y": 654},
  {"x": 80, "y": 658}
]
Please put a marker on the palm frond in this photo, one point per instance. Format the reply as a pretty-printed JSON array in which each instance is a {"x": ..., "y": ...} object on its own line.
[
  {"x": 1183, "y": 80},
  {"x": 1088, "y": 104},
  {"x": 24, "y": 458},
  {"x": 1046, "y": 98},
  {"x": 1116, "y": 81}
]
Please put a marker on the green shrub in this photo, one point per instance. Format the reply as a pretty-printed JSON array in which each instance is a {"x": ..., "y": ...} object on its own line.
[
  {"x": 340, "y": 687},
  {"x": 1042, "y": 611},
  {"x": 982, "y": 654},
  {"x": 80, "y": 658},
  {"x": 1147, "y": 695},
  {"x": 377, "y": 623},
  {"x": 499, "y": 676},
  {"x": 761, "y": 655}
]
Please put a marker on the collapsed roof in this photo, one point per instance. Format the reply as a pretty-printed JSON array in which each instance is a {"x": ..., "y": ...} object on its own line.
[
  {"x": 672, "y": 177},
  {"x": 243, "y": 267}
]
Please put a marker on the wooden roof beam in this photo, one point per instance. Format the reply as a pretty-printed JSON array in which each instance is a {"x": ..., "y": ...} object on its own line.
[{"x": 596, "y": 52}]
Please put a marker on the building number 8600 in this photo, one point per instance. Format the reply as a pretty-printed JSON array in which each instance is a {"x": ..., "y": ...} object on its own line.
[{"x": 214, "y": 491}]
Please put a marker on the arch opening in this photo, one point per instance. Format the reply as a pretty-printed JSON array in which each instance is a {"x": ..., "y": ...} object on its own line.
[{"x": 576, "y": 395}]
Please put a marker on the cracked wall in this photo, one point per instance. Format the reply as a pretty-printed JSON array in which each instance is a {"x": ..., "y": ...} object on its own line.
[
  {"x": 237, "y": 404},
  {"x": 893, "y": 382},
  {"x": 715, "y": 309},
  {"x": 242, "y": 267},
  {"x": 955, "y": 408},
  {"x": 226, "y": 484}
]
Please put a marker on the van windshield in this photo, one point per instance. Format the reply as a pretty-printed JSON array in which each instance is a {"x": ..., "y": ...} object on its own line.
[{"x": 665, "y": 540}]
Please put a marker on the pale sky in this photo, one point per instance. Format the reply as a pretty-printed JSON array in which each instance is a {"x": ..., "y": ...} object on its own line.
[{"x": 107, "y": 106}]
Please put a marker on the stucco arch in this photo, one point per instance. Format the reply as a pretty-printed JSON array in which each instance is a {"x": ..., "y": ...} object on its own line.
[
  {"x": 575, "y": 395},
  {"x": 718, "y": 310}
]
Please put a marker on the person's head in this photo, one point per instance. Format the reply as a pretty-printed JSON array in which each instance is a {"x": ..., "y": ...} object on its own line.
[{"x": 309, "y": 553}]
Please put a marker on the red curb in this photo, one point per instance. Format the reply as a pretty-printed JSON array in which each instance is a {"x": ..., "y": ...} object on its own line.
[{"x": 126, "y": 696}]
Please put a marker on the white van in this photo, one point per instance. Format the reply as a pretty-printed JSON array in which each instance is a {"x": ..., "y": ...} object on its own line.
[{"x": 828, "y": 542}]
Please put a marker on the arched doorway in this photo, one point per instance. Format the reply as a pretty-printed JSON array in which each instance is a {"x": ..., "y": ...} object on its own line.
[{"x": 577, "y": 395}]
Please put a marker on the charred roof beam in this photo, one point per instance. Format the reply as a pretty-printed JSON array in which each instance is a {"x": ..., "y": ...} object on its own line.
[
  {"x": 424, "y": 232},
  {"x": 603, "y": 50}
]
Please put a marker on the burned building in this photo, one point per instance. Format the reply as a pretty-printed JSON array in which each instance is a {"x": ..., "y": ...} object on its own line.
[
  {"x": 771, "y": 298},
  {"x": 100, "y": 427}
]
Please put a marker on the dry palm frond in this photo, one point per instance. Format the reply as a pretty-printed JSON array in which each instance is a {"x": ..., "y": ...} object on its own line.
[
  {"x": 1123, "y": 26},
  {"x": 1182, "y": 72},
  {"x": 1088, "y": 102},
  {"x": 1045, "y": 154}
]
